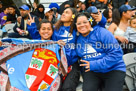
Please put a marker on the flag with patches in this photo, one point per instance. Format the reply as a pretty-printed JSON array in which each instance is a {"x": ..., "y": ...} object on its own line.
[
  {"x": 32, "y": 64},
  {"x": 43, "y": 68}
]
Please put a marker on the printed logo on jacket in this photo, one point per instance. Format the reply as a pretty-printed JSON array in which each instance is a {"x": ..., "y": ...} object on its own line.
[{"x": 90, "y": 52}]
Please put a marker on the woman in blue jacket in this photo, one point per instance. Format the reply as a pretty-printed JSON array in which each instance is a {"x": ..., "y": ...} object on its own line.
[
  {"x": 62, "y": 32},
  {"x": 101, "y": 56}
]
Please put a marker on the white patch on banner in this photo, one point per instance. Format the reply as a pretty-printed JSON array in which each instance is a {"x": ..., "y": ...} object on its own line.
[
  {"x": 36, "y": 63},
  {"x": 52, "y": 71},
  {"x": 29, "y": 79}
]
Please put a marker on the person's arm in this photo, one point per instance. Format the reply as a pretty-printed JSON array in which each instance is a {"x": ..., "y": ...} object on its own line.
[
  {"x": 103, "y": 21},
  {"x": 112, "y": 28},
  {"x": 36, "y": 20},
  {"x": 32, "y": 29},
  {"x": 113, "y": 52},
  {"x": 18, "y": 24}
]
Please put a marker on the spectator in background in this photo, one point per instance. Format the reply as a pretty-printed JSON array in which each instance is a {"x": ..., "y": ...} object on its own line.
[
  {"x": 130, "y": 34},
  {"x": 0, "y": 6},
  {"x": 108, "y": 15},
  {"x": 39, "y": 12},
  {"x": 3, "y": 16},
  {"x": 34, "y": 6},
  {"x": 79, "y": 6},
  {"x": 83, "y": 7},
  {"x": 48, "y": 14},
  {"x": 12, "y": 16},
  {"x": 55, "y": 7},
  {"x": 120, "y": 22},
  {"x": 109, "y": 4},
  {"x": 20, "y": 28},
  {"x": 97, "y": 16}
]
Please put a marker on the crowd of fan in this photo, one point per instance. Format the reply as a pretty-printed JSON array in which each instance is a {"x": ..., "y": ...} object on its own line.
[{"x": 13, "y": 24}]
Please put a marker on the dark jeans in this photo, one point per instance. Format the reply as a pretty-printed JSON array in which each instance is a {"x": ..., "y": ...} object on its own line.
[
  {"x": 16, "y": 35},
  {"x": 111, "y": 81},
  {"x": 72, "y": 79}
]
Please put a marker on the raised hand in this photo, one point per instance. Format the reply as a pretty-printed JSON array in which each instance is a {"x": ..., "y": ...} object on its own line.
[
  {"x": 97, "y": 17},
  {"x": 31, "y": 20}
]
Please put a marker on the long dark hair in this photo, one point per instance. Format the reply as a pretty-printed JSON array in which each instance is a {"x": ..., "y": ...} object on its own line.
[
  {"x": 59, "y": 23},
  {"x": 106, "y": 13},
  {"x": 116, "y": 17},
  {"x": 45, "y": 21}
]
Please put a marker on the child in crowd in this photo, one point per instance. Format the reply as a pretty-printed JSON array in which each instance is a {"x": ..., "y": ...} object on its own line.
[{"x": 130, "y": 33}]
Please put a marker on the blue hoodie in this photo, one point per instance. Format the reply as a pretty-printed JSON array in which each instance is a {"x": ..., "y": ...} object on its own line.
[
  {"x": 102, "y": 50},
  {"x": 34, "y": 33},
  {"x": 70, "y": 39}
]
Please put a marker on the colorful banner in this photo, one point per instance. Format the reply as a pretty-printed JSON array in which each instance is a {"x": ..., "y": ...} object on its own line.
[{"x": 33, "y": 64}]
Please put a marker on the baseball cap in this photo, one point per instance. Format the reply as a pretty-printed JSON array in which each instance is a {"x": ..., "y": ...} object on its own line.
[
  {"x": 54, "y": 5},
  {"x": 124, "y": 8},
  {"x": 46, "y": 10},
  {"x": 92, "y": 9},
  {"x": 24, "y": 7}
]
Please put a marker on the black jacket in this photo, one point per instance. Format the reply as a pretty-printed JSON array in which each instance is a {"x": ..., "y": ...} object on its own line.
[
  {"x": 12, "y": 18},
  {"x": 22, "y": 24},
  {"x": 38, "y": 13}
]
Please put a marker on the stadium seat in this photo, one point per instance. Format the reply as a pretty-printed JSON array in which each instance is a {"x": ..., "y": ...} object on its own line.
[{"x": 130, "y": 80}]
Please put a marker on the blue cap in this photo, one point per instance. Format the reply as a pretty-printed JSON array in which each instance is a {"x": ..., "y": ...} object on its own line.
[
  {"x": 92, "y": 9},
  {"x": 54, "y": 5},
  {"x": 24, "y": 7},
  {"x": 124, "y": 8}
]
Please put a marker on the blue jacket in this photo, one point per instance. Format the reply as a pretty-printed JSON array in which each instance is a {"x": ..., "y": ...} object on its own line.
[
  {"x": 33, "y": 32},
  {"x": 70, "y": 40},
  {"x": 103, "y": 22},
  {"x": 102, "y": 50},
  {"x": 61, "y": 34}
]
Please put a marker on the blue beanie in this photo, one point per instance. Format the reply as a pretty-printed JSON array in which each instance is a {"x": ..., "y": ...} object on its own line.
[{"x": 54, "y": 5}]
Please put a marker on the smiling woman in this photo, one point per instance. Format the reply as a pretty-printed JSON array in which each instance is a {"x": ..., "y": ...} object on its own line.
[
  {"x": 46, "y": 31},
  {"x": 99, "y": 64}
]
